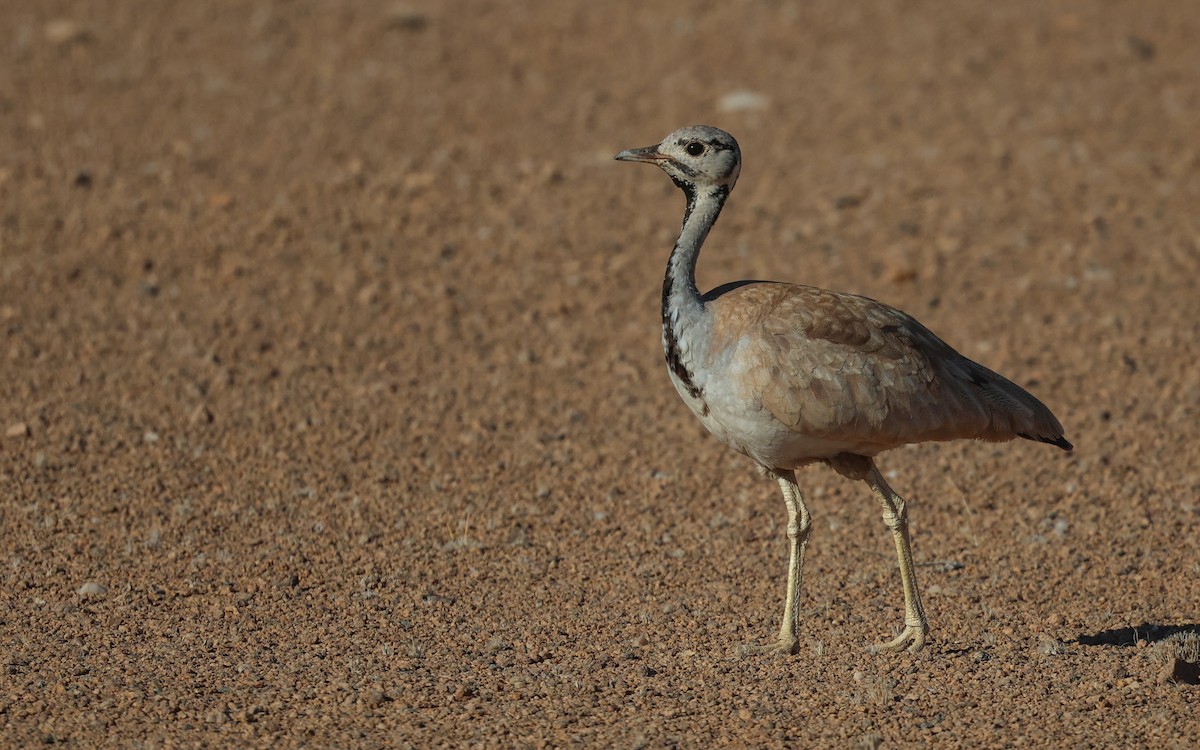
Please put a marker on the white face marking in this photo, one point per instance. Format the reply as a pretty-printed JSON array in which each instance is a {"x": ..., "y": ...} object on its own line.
[{"x": 700, "y": 156}]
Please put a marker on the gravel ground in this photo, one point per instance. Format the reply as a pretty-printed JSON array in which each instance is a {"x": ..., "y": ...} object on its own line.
[{"x": 333, "y": 411}]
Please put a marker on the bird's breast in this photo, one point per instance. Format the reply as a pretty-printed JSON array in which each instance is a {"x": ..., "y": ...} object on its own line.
[
  {"x": 703, "y": 382},
  {"x": 715, "y": 385},
  {"x": 681, "y": 348}
]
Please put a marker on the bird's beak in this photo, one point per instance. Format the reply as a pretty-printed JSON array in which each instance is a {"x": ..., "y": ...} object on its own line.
[{"x": 648, "y": 154}]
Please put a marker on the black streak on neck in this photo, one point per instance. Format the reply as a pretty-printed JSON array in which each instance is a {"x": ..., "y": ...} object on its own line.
[
  {"x": 670, "y": 337},
  {"x": 671, "y": 340},
  {"x": 689, "y": 190}
]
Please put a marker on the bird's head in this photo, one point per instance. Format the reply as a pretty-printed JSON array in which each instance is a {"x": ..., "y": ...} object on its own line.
[{"x": 697, "y": 156}]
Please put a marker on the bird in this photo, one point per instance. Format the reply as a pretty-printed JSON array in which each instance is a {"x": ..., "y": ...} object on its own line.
[{"x": 792, "y": 375}]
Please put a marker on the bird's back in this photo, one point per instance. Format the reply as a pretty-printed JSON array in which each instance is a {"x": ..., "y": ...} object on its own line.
[{"x": 843, "y": 370}]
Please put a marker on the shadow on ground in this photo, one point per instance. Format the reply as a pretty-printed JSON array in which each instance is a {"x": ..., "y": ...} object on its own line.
[{"x": 1149, "y": 632}]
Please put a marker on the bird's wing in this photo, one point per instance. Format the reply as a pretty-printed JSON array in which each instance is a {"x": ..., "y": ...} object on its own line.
[{"x": 845, "y": 367}]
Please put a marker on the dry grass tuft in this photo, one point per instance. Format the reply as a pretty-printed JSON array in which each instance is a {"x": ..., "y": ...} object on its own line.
[{"x": 1179, "y": 655}]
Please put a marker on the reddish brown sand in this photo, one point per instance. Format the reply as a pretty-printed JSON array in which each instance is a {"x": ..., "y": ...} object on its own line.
[{"x": 333, "y": 411}]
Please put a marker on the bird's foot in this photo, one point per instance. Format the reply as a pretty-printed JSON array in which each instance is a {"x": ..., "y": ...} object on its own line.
[
  {"x": 785, "y": 645},
  {"x": 913, "y": 638}
]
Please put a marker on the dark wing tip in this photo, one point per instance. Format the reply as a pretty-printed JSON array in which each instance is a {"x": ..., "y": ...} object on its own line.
[
  {"x": 1062, "y": 442},
  {"x": 1059, "y": 441}
]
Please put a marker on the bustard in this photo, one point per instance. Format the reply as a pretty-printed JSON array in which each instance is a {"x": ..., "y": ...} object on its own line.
[{"x": 791, "y": 375}]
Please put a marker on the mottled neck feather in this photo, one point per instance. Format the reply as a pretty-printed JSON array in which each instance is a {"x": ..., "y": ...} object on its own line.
[
  {"x": 681, "y": 299},
  {"x": 703, "y": 208}
]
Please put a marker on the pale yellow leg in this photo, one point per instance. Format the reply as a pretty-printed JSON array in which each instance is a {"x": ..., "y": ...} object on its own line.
[
  {"x": 895, "y": 516},
  {"x": 799, "y": 521}
]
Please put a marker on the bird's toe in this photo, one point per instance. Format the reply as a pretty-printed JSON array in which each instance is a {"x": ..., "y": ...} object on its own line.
[{"x": 912, "y": 640}]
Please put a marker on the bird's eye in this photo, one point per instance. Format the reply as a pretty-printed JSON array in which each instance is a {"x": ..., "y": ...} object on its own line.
[{"x": 695, "y": 148}]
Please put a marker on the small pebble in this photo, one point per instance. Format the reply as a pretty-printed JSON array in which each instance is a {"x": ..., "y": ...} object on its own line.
[
  {"x": 376, "y": 697},
  {"x": 64, "y": 31},
  {"x": 405, "y": 18},
  {"x": 742, "y": 101},
  {"x": 91, "y": 588}
]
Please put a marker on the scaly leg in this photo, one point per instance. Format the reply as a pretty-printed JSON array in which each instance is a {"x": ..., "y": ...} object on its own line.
[
  {"x": 799, "y": 522},
  {"x": 895, "y": 516}
]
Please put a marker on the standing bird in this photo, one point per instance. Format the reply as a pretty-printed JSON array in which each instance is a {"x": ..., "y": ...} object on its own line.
[{"x": 791, "y": 375}]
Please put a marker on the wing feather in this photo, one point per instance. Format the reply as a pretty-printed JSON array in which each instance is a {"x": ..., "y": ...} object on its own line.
[{"x": 845, "y": 367}]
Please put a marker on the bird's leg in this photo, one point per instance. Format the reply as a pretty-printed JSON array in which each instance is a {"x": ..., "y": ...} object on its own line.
[
  {"x": 895, "y": 516},
  {"x": 799, "y": 522}
]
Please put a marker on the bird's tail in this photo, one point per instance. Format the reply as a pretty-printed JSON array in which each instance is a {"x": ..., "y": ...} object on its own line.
[{"x": 1014, "y": 411}]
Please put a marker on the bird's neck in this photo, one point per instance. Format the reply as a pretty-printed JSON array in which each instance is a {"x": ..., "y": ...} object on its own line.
[
  {"x": 679, "y": 286},
  {"x": 682, "y": 307}
]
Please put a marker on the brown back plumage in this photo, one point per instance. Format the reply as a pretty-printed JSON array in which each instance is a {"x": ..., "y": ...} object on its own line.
[{"x": 846, "y": 367}]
